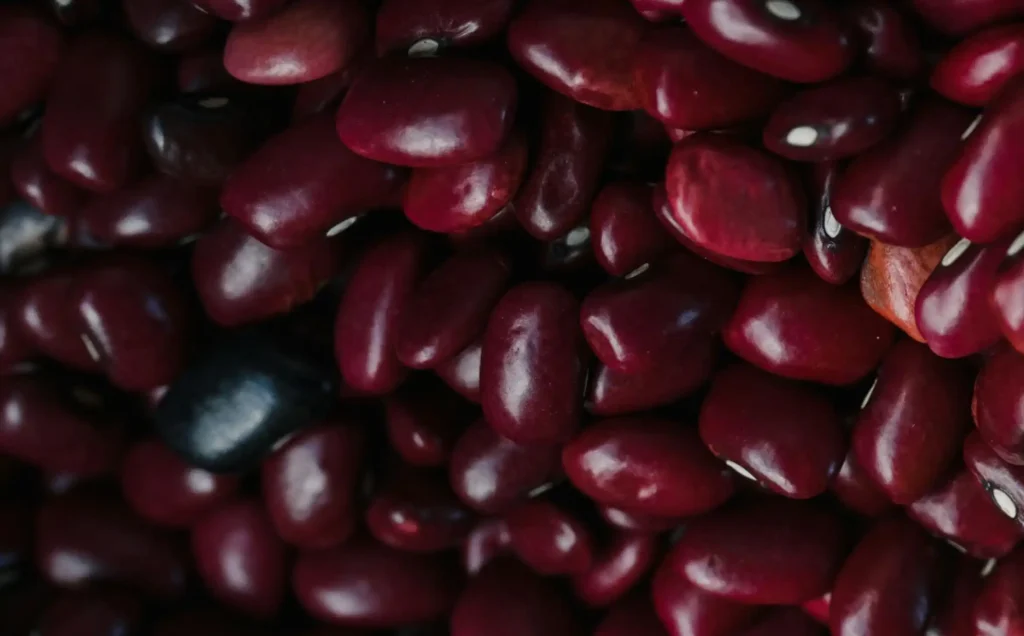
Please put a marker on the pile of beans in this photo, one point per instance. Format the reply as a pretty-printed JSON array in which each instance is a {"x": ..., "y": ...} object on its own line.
[{"x": 511, "y": 317}]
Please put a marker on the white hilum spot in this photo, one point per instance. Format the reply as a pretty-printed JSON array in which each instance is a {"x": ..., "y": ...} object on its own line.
[
  {"x": 1004, "y": 503},
  {"x": 955, "y": 252},
  {"x": 802, "y": 136},
  {"x": 831, "y": 226},
  {"x": 783, "y": 9}
]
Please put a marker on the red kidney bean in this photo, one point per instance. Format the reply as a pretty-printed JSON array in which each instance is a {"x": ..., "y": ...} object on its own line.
[
  {"x": 997, "y": 609},
  {"x": 1006, "y": 298},
  {"x": 304, "y": 41},
  {"x": 45, "y": 317},
  {"x": 998, "y": 395},
  {"x": 549, "y": 539},
  {"x": 564, "y": 178},
  {"x": 492, "y": 474},
  {"x": 288, "y": 193},
  {"x": 367, "y": 322},
  {"x": 90, "y": 132},
  {"x": 488, "y": 540},
  {"x": 1003, "y": 482},
  {"x": 784, "y": 621},
  {"x": 976, "y": 69},
  {"x": 102, "y": 612},
  {"x": 366, "y": 584},
  {"x": 532, "y": 368},
  {"x": 623, "y": 229},
  {"x": 424, "y": 28},
  {"x": 891, "y": 192},
  {"x": 310, "y": 484},
  {"x": 797, "y": 40},
  {"x": 889, "y": 585},
  {"x": 795, "y": 325},
  {"x": 506, "y": 599},
  {"x": 734, "y": 200},
  {"x": 449, "y": 309},
  {"x": 236, "y": 10},
  {"x": 241, "y": 561},
  {"x": 912, "y": 421},
  {"x": 462, "y": 372},
  {"x": 964, "y": 16},
  {"x": 460, "y": 197},
  {"x": 687, "y": 610},
  {"x": 835, "y": 120},
  {"x": 416, "y": 511},
  {"x": 31, "y": 47},
  {"x": 952, "y": 310},
  {"x": 888, "y": 38},
  {"x": 611, "y": 392},
  {"x": 686, "y": 84},
  {"x": 14, "y": 347},
  {"x": 617, "y": 568},
  {"x": 169, "y": 25},
  {"x": 164, "y": 490},
  {"x": 856, "y": 491},
  {"x": 424, "y": 422},
  {"x": 833, "y": 252},
  {"x": 635, "y": 325},
  {"x": 465, "y": 116},
  {"x": 632, "y": 616},
  {"x": 771, "y": 551},
  {"x": 785, "y": 435},
  {"x": 37, "y": 184},
  {"x": 647, "y": 465},
  {"x": 583, "y": 50},
  {"x": 85, "y": 538}
]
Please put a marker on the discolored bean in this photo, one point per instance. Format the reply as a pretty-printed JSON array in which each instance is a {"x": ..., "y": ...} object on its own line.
[
  {"x": 30, "y": 48},
  {"x": 236, "y": 10},
  {"x": 169, "y": 25},
  {"x": 38, "y": 185},
  {"x": 617, "y": 568},
  {"x": 833, "y": 252},
  {"x": 888, "y": 38},
  {"x": 416, "y": 511},
  {"x": 964, "y": 16},
  {"x": 423, "y": 28},
  {"x": 623, "y": 229},
  {"x": 976, "y": 69},
  {"x": 1004, "y": 482},
  {"x": 687, "y": 610},
  {"x": 549, "y": 538}
]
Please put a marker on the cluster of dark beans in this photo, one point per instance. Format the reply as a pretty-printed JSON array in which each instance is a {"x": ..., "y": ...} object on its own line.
[{"x": 511, "y": 318}]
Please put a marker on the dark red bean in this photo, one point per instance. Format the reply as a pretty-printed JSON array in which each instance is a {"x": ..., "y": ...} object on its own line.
[
  {"x": 416, "y": 511},
  {"x": 686, "y": 84},
  {"x": 491, "y": 474},
  {"x": 236, "y": 10},
  {"x": 797, "y": 40},
  {"x": 856, "y": 491},
  {"x": 784, "y": 621},
  {"x": 463, "y": 112},
  {"x": 734, "y": 200},
  {"x": 889, "y": 585},
  {"x": 304, "y": 41},
  {"x": 30, "y": 47},
  {"x": 288, "y": 193},
  {"x": 37, "y": 184},
  {"x": 623, "y": 229},
  {"x": 1006, "y": 298},
  {"x": 462, "y": 372},
  {"x": 998, "y": 396},
  {"x": 564, "y": 178},
  {"x": 647, "y": 465},
  {"x": 550, "y": 539},
  {"x": 532, "y": 369},
  {"x": 997, "y": 609},
  {"x": 833, "y": 121},
  {"x": 423, "y": 28},
  {"x": 833, "y": 252},
  {"x": 975, "y": 70},
  {"x": 913, "y": 421},
  {"x": 964, "y": 16},
  {"x": 632, "y": 616},
  {"x": 506, "y": 599},
  {"x": 101, "y": 612},
  {"x": 888, "y": 38},
  {"x": 795, "y": 325},
  {"x": 91, "y": 133},
  {"x": 1003, "y": 482},
  {"x": 424, "y": 422},
  {"x": 163, "y": 489},
  {"x": 46, "y": 319},
  {"x": 616, "y": 568},
  {"x": 771, "y": 551},
  {"x": 89, "y": 538},
  {"x": 488, "y": 540},
  {"x": 169, "y": 25},
  {"x": 366, "y": 584},
  {"x": 240, "y": 559},
  {"x": 687, "y": 610},
  {"x": 310, "y": 484},
  {"x": 785, "y": 435}
]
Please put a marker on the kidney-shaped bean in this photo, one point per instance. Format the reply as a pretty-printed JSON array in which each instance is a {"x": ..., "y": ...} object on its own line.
[
  {"x": 38, "y": 185},
  {"x": 999, "y": 404},
  {"x": 833, "y": 252},
  {"x": 976, "y": 69},
  {"x": 617, "y": 567},
  {"x": 44, "y": 316},
  {"x": 623, "y": 229},
  {"x": 421, "y": 28},
  {"x": 687, "y": 610},
  {"x": 855, "y": 489},
  {"x": 416, "y": 511}
]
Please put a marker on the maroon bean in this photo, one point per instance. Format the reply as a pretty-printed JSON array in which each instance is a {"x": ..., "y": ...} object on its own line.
[
  {"x": 564, "y": 178},
  {"x": 784, "y": 621},
  {"x": 888, "y": 38},
  {"x": 632, "y": 616},
  {"x": 492, "y": 474},
  {"x": 488, "y": 540},
  {"x": 37, "y": 184},
  {"x": 90, "y": 132},
  {"x": 734, "y": 200},
  {"x": 14, "y": 346},
  {"x": 288, "y": 193},
  {"x": 833, "y": 252},
  {"x": 795, "y": 325},
  {"x": 997, "y": 609},
  {"x": 506, "y": 599},
  {"x": 797, "y": 40},
  {"x": 998, "y": 395},
  {"x": 465, "y": 115},
  {"x": 310, "y": 483},
  {"x": 366, "y": 584},
  {"x": 462, "y": 372},
  {"x": 891, "y": 192},
  {"x": 163, "y": 489},
  {"x": 912, "y": 421},
  {"x": 30, "y": 47},
  {"x": 964, "y": 16},
  {"x": 888, "y": 586},
  {"x": 687, "y": 610},
  {"x": 616, "y": 568},
  {"x": 1004, "y": 482},
  {"x": 856, "y": 491},
  {"x": 686, "y": 84},
  {"x": 236, "y": 10},
  {"x": 103, "y": 612},
  {"x": 623, "y": 229},
  {"x": 975, "y": 70},
  {"x": 423, "y": 28},
  {"x": 549, "y": 539},
  {"x": 460, "y": 197},
  {"x": 204, "y": 72},
  {"x": 647, "y": 465},
  {"x": 85, "y": 538},
  {"x": 169, "y": 25},
  {"x": 45, "y": 318},
  {"x": 424, "y": 422},
  {"x": 417, "y": 511},
  {"x": 304, "y": 41}
]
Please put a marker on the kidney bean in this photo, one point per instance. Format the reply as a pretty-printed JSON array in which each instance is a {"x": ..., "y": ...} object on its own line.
[
  {"x": 1006, "y": 299},
  {"x": 240, "y": 559},
  {"x": 647, "y": 465},
  {"x": 855, "y": 489},
  {"x": 998, "y": 608},
  {"x": 634, "y": 616},
  {"x": 288, "y": 193},
  {"x": 997, "y": 398},
  {"x": 31, "y": 48},
  {"x": 90, "y": 132},
  {"x": 237, "y": 10},
  {"x": 550, "y": 539},
  {"x": 462, "y": 372},
  {"x": 491, "y": 474},
  {"x": 833, "y": 252},
  {"x": 169, "y": 25},
  {"x": 795, "y": 325},
  {"x": 424, "y": 28},
  {"x": 304, "y": 41},
  {"x": 488, "y": 540},
  {"x": 976, "y": 69},
  {"x": 506, "y": 599},
  {"x": 891, "y": 192},
  {"x": 888, "y": 38},
  {"x": 687, "y": 610},
  {"x": 14, "y": 346},
  {"x": 964, "y": 16},
  {"x": 85, "y": 538},
  {"x": 41, "y": 187},
  {"x": 102, "y": 612},
  {"x": 623, "y": 229},
  {"x": 44, "y": 316},
  {"x": 424, "y": 421},
  {"x": 465, "y": 116},
  {"x": 1003, "y": 482},
  {"x": 617, "y": 568},
  {"x": 366, "y": 584},
  {"x": 416, "y": 511}
]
